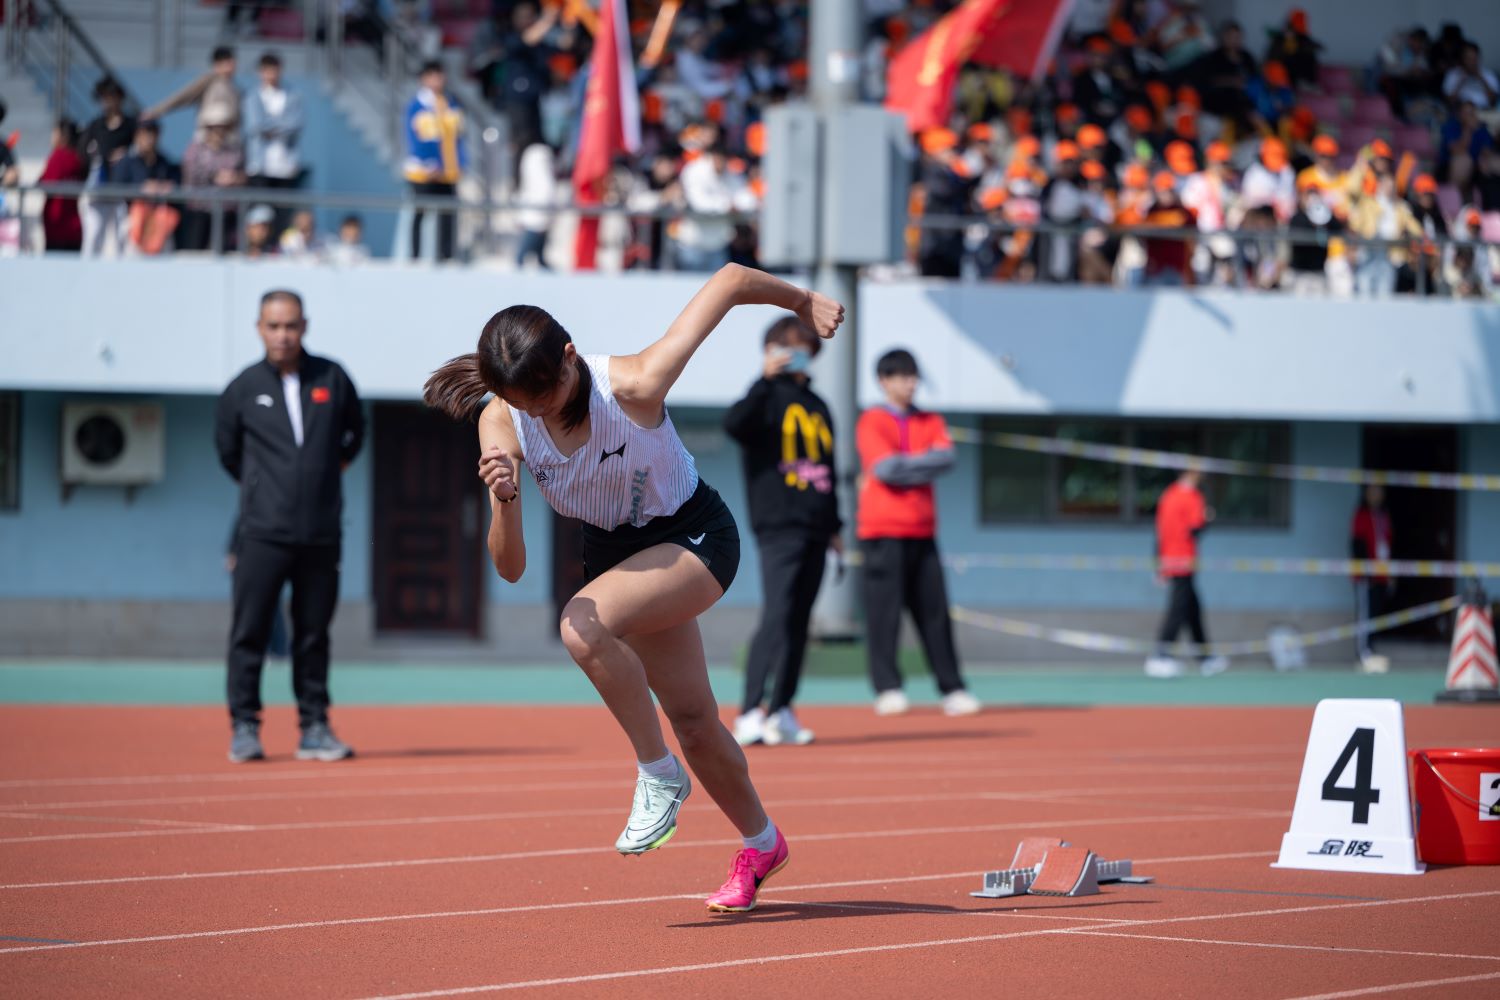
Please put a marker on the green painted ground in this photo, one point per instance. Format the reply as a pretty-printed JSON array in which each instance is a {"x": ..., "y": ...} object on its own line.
[{"x": 78, "y": 682}]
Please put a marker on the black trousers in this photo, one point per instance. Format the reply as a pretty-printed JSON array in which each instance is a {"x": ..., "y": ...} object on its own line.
[
  {"x": 260, "y": 571},
  {"x": 791, "y": 571},
  {"x": 1182, "y": 609},
  {"x": 445, "y": 220},
  {"x": 906, "y": 572}
]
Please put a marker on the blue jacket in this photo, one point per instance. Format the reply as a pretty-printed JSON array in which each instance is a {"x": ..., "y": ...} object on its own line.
[
  {"x": 436, "y": 149},
  {"x": 260, "y": 127}
]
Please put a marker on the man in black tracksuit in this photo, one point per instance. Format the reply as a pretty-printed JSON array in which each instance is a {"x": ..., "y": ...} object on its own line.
[
  {"x": 285, "y": 429},
  {"x": 786, "y": 434}
]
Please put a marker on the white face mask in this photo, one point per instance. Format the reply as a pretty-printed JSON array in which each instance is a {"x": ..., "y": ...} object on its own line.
[{"x": 1318, "y": 212}]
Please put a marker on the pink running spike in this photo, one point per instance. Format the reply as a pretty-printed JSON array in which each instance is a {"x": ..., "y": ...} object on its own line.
[{"x": 749, "y": 871}]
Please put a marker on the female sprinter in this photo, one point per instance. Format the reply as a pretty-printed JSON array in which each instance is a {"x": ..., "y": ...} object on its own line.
[{"x": 659, "y": 546}]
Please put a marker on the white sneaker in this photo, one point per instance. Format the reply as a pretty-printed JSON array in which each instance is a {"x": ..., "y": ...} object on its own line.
[
  {"x": 1163, "y": 667},
  {"x": 783, "y": 727},
  {"x": 750, "y": 728},
  {"x": 892, "y": 702},
  {"x": 960, "y": 702},
  {"x": 1213, "y": 665},
  {"x": 653, "y": 813}
]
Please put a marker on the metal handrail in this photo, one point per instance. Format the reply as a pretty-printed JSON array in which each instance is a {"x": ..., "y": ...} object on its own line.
[
  {"x": 68, "y": 36},
  {"x": 222, "y": 201}
]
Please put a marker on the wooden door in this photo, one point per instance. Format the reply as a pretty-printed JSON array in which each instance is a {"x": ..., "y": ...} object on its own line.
[{"x": 428, "y": 540}]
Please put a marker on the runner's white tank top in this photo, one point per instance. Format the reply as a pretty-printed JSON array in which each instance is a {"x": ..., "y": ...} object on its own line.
[{"x": 623, "y": 474}]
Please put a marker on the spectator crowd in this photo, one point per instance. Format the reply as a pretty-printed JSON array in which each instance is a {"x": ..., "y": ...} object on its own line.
[{"x": 1158, "y": 149}]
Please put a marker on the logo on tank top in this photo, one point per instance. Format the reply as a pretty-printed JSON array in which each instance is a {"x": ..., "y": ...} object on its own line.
[
  {"x": 542, "y": 476},
  {"x": 618, "y": 452}
]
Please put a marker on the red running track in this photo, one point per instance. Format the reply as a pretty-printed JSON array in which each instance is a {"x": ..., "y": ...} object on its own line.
[{"x": 468, "y": 851}]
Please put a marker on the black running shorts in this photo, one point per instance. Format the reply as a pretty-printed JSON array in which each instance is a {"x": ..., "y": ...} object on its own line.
[{"x": 703, "y": 525}]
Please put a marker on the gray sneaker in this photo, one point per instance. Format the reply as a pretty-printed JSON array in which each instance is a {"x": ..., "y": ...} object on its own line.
[
  {"x": 319, "y": 743},
  {"x": 245, "y": 743},
  {"x": 653, "y": 813}
]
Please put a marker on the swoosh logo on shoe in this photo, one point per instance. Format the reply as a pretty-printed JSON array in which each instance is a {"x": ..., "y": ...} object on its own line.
[{"x": 699, "y": 539}]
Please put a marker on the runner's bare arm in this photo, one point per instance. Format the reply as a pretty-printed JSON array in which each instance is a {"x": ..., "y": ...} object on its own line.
[
  {"x": 641, "y": 381},
  {"x": 499, "y": 460}
]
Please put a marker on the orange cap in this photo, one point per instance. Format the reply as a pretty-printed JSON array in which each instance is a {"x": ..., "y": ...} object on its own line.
[
  {"x": 1018, "y": 120},
  {"x": 992, "y": 198},
  {"x": 1091, "y": 137},
  {"x": 980, "y": 132},
  {"x": 1189, "y": 96},
  {"x": 1187, "y": 124},
  {"x": 1218, "y": 152},
  {"x": 938, "y": 140},
  {"x": 1017, "y": 168},
  {"x": 735, "y": 165},
  {"x": 1326, "y": 145},
  {"x": 1065, "y": 150},
  {"x": 1159, "y": 93},
  {"x": 755, "y": 138},
  {"x": 1028, "y": 146},
  {"x": 1296, "y": 19},
  {"x": 1164, "y": 181},
  {"x": 1137, "y": 176},
  {"x": 1179, "y": 150},
  {"x": 1276, "y": 74},
  {"x": 1424, "y": 184},
  {"x": 1138, "y": 117},
  {"x": 1066, "y": 112},
  {"x": 1093, "y": 170},
  {"x": 1382, "y": 149}
]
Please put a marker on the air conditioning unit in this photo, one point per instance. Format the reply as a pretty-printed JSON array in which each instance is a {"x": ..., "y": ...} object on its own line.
[{"x": 112, "y": 444}]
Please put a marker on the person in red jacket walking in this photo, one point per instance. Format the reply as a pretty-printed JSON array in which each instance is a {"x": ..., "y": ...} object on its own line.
[
  {"x": 902, "y": 449},
  {"x": 1370, "y": 538},
  {"x": 1181, "y": 516}
]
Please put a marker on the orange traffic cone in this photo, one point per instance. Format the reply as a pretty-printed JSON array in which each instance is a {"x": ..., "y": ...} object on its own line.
[{"x": 1472, "y": 672}]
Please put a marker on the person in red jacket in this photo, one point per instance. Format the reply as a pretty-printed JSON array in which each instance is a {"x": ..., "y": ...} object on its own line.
[
  {"x": 60, "y": 220},
  {"x": 1181, "y": 515},
  {"x": 901, "y": 451},
  {"x": 1370, "y": 538}
]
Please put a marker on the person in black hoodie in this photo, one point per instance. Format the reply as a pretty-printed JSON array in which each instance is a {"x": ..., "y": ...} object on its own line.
[
  {"x": 786, "y": 435},
  {"x": 285, "y": 429}
]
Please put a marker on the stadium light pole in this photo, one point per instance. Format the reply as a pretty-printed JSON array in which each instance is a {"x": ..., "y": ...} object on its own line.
[{"x": 836, "y": 42}]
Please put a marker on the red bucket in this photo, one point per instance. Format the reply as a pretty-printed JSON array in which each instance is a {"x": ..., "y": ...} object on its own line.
[{"x": 1458, "y": 814}]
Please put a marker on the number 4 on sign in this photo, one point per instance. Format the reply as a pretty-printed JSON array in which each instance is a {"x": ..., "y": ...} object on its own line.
[{"x": 1353, "y": 810}]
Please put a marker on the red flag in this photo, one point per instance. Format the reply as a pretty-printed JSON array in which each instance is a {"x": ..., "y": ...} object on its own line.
[
  {"x": 611, "y": 121},
  {"x": 1018, "y": 35}
]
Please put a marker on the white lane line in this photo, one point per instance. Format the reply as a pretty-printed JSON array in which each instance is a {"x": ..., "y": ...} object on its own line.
[
  {"x": 801, "y": 777},
  {"x": 1339, "y": 949},
  {"x": 1215, "y": 787},
  {"x": 707, "y": 966},
  {"x": 872, "y": 949},
  {"x": 52, "y": 817},
  {"x": 291, "y": 772},
  {"x": 1397, "y": 987},
  {"x": 492, "y": 817},
  {"x": 489, "y": 911},
  {"x": 469, "y": 859}
]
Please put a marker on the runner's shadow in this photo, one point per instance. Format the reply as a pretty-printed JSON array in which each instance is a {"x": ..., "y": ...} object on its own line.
[{"x": 791, "y": 912}]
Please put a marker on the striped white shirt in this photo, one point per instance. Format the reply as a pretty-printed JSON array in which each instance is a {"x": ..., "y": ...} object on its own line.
[{"x": 623, "y": 474}]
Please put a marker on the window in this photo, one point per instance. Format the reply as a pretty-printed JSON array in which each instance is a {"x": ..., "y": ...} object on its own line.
[
  {"x": 1020, "y": 486},
  {"x": 10, "y": 450}
]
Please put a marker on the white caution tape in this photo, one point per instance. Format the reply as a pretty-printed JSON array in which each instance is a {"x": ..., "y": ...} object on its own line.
[
  {"x": 1121, "y": 455},
  {"x": 1101, "y": 642},
  {"x": 1301, "y": 567}
]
